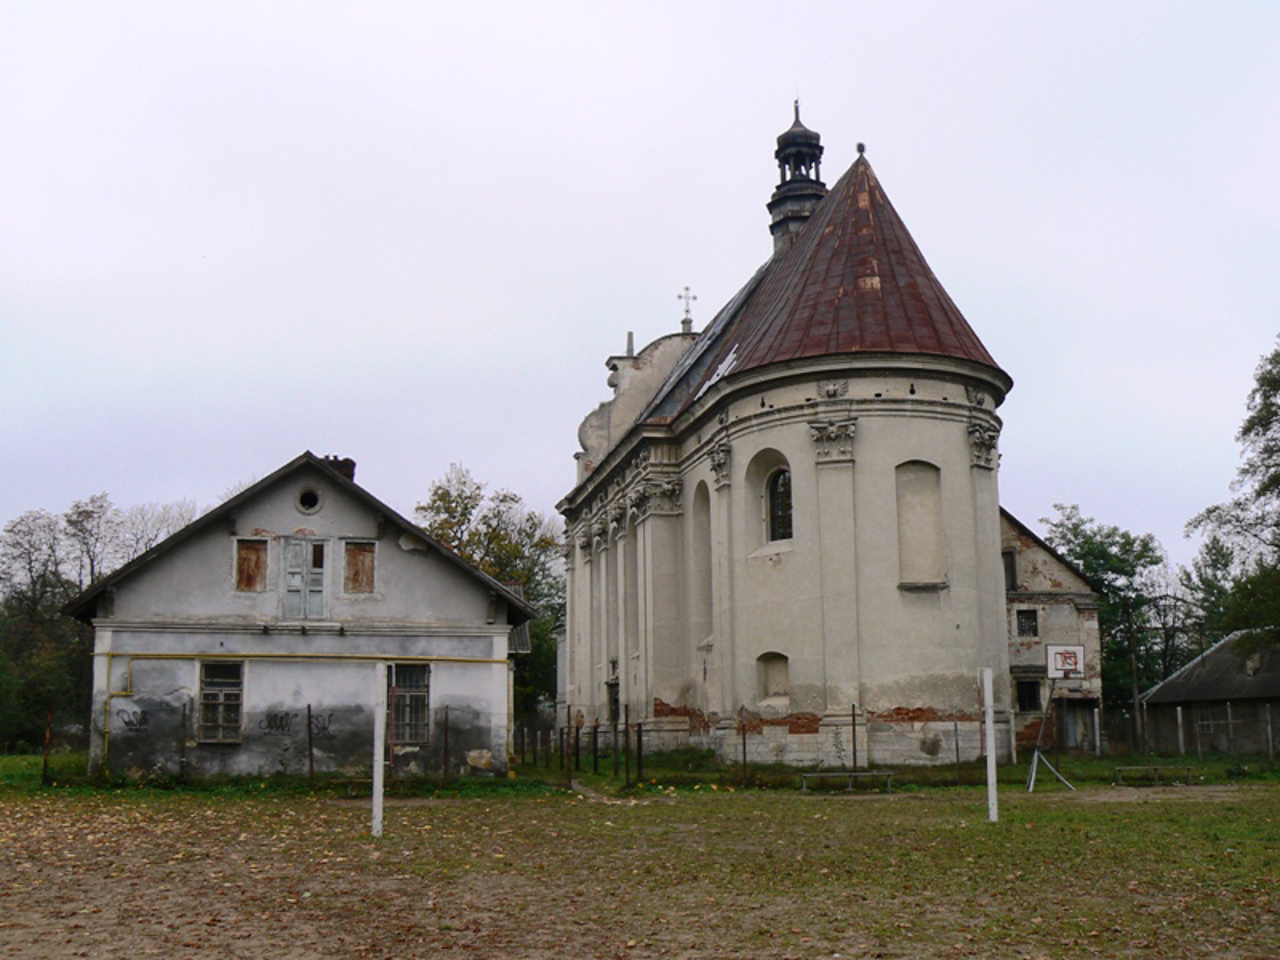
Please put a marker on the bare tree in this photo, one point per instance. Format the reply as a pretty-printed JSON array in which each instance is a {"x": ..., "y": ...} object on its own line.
[{"x": 145, "y": 525}]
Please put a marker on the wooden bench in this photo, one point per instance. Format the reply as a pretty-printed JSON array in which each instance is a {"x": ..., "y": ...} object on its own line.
[
  {"x": 1152, "y": 773},
  {"x": 849, "y": 776}
]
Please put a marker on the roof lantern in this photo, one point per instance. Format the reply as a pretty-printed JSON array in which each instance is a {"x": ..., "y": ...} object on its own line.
[{"x": 800, "y": 186}]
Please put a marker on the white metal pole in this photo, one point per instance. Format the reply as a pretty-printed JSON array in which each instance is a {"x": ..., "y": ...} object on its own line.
[
  {"x": 1097, "y": 731},
  {"x": 988, "y": 704},
  {"x": 379, "y": 741}
]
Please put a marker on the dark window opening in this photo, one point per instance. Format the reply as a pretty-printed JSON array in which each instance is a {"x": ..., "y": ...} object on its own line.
[
  {"x": 221, "y": 692},
  {"x": 408, "y": 693},
  {"x": 308, "y": 500},
  {"x": 1028, "y": 623},
  {"x": 779, "y": 496},
  {"x": 1010, "y": 571},
  {"x": 1029, "y": 696},
  {"x": 251, "y": 566}
]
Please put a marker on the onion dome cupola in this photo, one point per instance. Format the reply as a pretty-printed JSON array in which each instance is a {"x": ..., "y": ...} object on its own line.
[{"x": 800, "y": 187}]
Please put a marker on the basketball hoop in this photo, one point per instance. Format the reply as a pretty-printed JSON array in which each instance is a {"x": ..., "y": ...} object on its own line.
[{"x": 1062, "y": 662}]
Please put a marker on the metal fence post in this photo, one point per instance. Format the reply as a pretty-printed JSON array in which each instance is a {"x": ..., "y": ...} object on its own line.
[{"x": 626, "y": 742}]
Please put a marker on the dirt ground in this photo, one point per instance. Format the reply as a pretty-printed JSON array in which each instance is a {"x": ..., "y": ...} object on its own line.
[{"x": 136, "y": 874}]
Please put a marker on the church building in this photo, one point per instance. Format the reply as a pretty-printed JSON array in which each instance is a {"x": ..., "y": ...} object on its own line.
[{"x": 789, "y": 523}]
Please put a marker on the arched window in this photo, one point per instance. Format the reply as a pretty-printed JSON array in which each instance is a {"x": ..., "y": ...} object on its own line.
[{"x": 779, "y": 497}]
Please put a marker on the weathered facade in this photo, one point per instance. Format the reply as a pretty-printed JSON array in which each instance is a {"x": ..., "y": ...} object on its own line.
[
  {"x": 249, "y": 642},
  {"x": 792, "y": 518},
  {"x": 1053, "y": 613}
]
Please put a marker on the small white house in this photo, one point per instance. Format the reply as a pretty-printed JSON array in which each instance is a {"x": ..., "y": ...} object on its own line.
[{"x": 249, "y": 642}]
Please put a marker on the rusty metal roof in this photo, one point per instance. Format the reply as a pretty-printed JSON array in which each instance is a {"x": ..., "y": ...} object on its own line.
[{"x": 853, "y": 282}]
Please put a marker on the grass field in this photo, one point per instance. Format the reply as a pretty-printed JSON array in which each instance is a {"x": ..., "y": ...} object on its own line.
[{"x": 521, "y": 869}]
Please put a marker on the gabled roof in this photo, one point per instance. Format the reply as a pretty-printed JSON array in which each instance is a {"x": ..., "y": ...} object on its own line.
[
  {"x": 853, "y": 282},
  {"x": 1026, "y": 531},
  {"x": 1223, "y": 672},
  {"x": 84, "y": 606}
]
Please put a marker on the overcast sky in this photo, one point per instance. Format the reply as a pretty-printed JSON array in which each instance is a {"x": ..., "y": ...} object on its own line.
[{"x": 411, "y": 233}]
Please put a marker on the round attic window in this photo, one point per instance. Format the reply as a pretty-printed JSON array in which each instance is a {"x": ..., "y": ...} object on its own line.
[{"x": 308, "y": 500}]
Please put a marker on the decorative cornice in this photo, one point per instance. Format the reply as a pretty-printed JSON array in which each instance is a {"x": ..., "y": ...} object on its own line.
[{"x": 833, "y": 437}]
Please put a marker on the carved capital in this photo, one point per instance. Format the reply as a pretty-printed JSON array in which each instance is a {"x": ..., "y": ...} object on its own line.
[
  {"x": 719, "y": 460},
  {"x": 834, "y": 438},
  {"x": 982, "y": 443},
  {"x": 975, "y": 396}
]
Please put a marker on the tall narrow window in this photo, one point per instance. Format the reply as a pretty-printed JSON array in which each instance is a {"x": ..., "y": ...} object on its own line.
[
  {"x": 304, "y": 562},
  {"x": 408, "y": 699},
  {"x": 221, "y": 692},
  {"x": 358, "y": 576},
  {"x": 779, "y": 497},
  {"x": 251, "y": 566}
]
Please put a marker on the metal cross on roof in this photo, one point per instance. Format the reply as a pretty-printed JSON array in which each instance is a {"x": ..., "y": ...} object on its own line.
[{"x": 687, "y": 297}]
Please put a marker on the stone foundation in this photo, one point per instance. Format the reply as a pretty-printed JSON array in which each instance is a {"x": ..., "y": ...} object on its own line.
[{"x": 809, "y": 741}]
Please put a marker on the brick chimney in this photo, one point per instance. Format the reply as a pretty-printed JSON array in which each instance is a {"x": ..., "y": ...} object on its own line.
[{"x": 341, "y": 465}]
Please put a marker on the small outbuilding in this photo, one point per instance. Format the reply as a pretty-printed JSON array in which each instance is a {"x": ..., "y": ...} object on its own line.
[
  {"x": 252, "y": 640},
  {"x": 1225, "y": 701}
]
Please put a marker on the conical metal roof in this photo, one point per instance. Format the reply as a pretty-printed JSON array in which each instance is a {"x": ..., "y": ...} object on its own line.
[{"x": 853, "y": 282}]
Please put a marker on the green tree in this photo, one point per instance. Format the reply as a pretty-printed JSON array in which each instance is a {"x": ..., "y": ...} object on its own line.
[
  {"x": 1251, "y": 519},
  {"x": 1125, "y": 565},
  {"x": 499, "y": 535},
  {"x": 1253, "y": 605},
  {"x": 1208, "y": 583}
]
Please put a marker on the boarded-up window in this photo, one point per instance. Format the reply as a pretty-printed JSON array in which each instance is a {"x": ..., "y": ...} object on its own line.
[
  {"x": 251, "y": 565},
  {"x": 221, "y": 692},
  {"x": 358, "y": 577}
]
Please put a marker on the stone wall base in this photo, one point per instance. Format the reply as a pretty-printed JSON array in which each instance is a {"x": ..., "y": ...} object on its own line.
[{"x": 879, "y": 742}]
